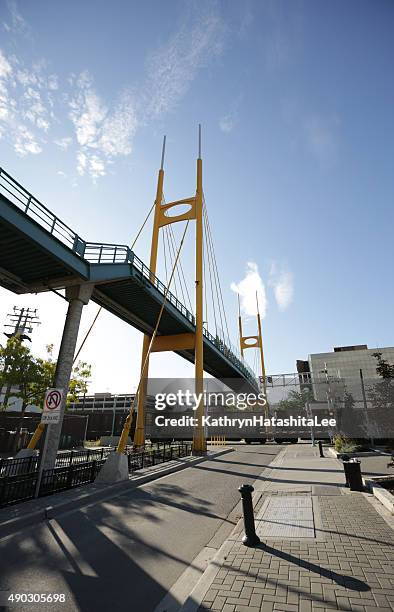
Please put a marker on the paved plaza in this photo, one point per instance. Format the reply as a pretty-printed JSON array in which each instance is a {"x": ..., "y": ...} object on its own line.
[{"x": 322, "y": 547}]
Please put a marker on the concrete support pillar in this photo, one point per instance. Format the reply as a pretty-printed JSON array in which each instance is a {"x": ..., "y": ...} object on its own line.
[{"x": 78, "y": 297}]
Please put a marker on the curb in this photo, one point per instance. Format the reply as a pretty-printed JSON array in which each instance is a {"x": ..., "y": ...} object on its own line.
[
  {"x": 13, "y": 525},
  {"x": 195, "y": 598},
  {"x": 381, "y": 494},
  {"x": 360, "y": 454}
]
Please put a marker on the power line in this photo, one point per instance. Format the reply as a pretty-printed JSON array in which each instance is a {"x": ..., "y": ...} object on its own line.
[{"x": 22, "y": 321}]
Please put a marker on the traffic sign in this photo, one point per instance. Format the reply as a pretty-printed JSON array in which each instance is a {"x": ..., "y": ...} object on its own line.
[{"x": 52, "y": 404}]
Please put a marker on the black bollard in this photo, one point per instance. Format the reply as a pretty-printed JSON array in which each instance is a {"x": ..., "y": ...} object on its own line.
[
  {"x": 320, "y": 443},
  {"x": 250, "y": 538}
]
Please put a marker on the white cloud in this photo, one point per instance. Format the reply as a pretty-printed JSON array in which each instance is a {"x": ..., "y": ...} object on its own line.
[
  {"x": 63, "y": 143},
  {"x": 31, "y": 96},
  {"x": 17, "y": 23},
  {"x": 175, "y": 65},
  {"x": 81, "y": 163},
  {"x": 227, "y": 123},
  {"x": 283, "y": 286},
  {"x": 25, "y": 105},
  {"x": 247, "y": 288},
  {"x": 5, "y": 66},
  {"x": 25, "y": 142},
  {"x": 119, "y": 128},
  {"x": 321, "y": 134},
  {"x": 101, "y": 133}
]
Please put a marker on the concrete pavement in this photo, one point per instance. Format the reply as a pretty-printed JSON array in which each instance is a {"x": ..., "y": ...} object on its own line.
[{"x": 127, "y": 552}]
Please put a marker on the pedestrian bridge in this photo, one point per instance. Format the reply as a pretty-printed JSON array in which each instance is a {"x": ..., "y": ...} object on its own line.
[{"x": 38, "y": 252}]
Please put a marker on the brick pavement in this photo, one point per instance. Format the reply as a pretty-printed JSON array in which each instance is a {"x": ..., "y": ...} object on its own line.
[{"x": 348, "y": 566}]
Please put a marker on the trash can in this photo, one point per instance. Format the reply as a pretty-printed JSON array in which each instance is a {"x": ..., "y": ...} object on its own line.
[{"x": 353, "y": 474}]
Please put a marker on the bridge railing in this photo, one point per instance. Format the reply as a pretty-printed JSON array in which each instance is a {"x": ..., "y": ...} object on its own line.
[
  {"x": 32, "y": 207},
  {"x": 101, "y": 253}
]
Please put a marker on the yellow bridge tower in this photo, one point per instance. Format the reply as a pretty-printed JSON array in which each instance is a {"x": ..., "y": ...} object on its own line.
[{"x": 179, "y": 341}]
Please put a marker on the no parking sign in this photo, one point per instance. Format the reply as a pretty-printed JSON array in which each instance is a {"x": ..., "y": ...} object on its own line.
[{"x": 52, "y": 403}]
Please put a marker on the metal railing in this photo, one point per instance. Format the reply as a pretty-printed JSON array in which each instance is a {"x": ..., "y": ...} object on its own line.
[
  {"x": 138, "y": 461},
  {"x": 18, "y": 477},
  {"x": 25, "y": 465},
  {"x": 62, "y": 479},
  {"x": 12, "y": 467},
  {"x": 104, "y": 253},
  {"x": 297, "y": 378},
  {"x": 32, "y": 207}
]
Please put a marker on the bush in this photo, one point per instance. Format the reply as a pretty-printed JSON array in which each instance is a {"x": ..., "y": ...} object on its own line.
[
  {"x": 92, "y": 443},
  {"x": 344, "y": 445}
]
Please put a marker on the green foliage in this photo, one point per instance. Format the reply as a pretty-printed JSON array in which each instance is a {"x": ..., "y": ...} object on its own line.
[
  {"x": 344, "y": 445},
  {"x": 381, "y": 393},
  {"x": 32, "y": 376},
  {"x": 296, "y": 400},
  {"x": 383, "y": 369}
]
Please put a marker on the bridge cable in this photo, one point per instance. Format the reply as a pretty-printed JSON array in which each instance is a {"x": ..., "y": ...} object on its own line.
[
  {"x": 166, "y": 232},
  {"x": 100, "y": 308},
  {"x": 167, "y": 289},
  {"x": 216, "y": 271},
  {"x": 181, "y": 270},
  {"x": 165, "y": 257},
  {"x": 209, "y": 260},
  {"x": 172, "y": 240},
  {"x": 205, "y": 291},
  {"x": 181, "y": 275}
]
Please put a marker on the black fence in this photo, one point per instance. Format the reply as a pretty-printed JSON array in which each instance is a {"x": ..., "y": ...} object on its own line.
[
  {"x": 18, "y": 477},
  {"x": 24, "y": 465}
]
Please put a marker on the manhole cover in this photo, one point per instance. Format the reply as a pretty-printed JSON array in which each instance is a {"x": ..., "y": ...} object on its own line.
[{"x": 286, "y": 517}]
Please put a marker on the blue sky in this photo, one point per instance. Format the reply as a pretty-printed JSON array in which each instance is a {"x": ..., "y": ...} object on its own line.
[{"x": 296, "y": 103}]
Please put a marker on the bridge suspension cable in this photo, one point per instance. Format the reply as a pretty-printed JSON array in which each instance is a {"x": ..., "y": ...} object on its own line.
[
  {"x": 127, "y": 425},
  {"x": 213, "y": 262},
  {"x": 100, "y": 308}
]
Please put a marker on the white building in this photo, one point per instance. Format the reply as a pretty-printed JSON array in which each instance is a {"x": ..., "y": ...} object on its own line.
[{"x": 346, "y": 362}]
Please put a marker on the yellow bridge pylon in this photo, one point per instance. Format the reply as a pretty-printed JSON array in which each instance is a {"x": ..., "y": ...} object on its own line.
[
  {"x": 179, "y": 341},
  {"x": 246, "y": 342}
]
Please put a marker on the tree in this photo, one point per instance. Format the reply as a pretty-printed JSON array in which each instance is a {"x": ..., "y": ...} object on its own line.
[
  {"x": 18, "y": 368},
  {"x": 296, "y": 400},
  {"x": 32, "y": 376},
  {"x": 384, "y": 369},
  {"x": 381, "y": 395},
  {"x": 80, "y": 375}
]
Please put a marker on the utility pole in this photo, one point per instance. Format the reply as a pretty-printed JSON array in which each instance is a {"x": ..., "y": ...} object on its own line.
[{"x": 21, "y": 323}]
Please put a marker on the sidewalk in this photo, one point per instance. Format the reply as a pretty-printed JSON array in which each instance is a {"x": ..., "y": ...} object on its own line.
[
  {"x": 322, "y": 547},
  {"x": 27, "y": 513}
]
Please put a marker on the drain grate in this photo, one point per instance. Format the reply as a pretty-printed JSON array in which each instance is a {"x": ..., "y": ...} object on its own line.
[{"x": 286, "y": 517}]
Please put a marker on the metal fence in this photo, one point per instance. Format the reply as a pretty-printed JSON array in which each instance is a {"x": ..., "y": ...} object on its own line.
[
  {"x": 18, "y": 477},
  {"x": 362, "y": 407},
  {"x": 25, "y": 465}
]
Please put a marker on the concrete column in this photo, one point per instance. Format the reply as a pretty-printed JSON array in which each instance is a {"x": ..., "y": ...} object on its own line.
[{"x": 78, "y": 297}]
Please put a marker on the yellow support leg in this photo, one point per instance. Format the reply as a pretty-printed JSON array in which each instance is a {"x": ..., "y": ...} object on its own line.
[
  {"x": 36, "y": 436},
  {"x": 125, "y": 433},
  {"x": 199, "y": 440}
]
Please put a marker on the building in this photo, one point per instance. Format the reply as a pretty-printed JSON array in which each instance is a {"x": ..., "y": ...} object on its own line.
[
  {"x": 103, "y": 401},
  {"x": 346, "y": 362},
  {"x": 335, "y": 374}
]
